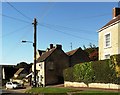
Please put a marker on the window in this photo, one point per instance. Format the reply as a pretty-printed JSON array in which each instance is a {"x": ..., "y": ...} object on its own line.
[
  {"x": 107, "y": 56},
  {"x": 107, "y": 40},
  {"x": 40, "y": 66},
  {"x": 51, "y": 66}
]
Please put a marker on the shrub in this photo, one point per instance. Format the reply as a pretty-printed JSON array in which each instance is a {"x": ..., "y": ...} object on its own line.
[
  {"x": 68, "y": 74},
  {"x": 83, "y": 72},
  {"x": 95, "y": 71},
  {"x": 115, "y": 59}
]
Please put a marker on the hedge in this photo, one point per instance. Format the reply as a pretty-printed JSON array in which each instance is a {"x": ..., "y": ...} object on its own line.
[
  {"x": 103, "y": 71},
  {"x": 68, "y": 74},
  {"x": 115, "y": 59}
]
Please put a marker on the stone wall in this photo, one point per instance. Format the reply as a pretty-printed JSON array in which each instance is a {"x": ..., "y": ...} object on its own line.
[{"x": 92, "y": 85}]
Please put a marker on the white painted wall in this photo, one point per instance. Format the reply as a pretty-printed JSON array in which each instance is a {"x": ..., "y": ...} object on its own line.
[
  {"x": 40, "y": 67},
  {"x": 92, "y": 85}
]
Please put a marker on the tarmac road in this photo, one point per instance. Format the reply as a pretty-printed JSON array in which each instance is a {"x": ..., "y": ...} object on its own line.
[{"x": 13, "y": 92}]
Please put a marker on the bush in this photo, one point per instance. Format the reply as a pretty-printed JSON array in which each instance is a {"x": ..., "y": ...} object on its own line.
[
  {"x": 104, "y": 71},
  {"x": 97, "y": 71},
  {"x": 83, "y": 72},
  {"x": 115, "y": 59},
  {"x": 68, "y": 74}
]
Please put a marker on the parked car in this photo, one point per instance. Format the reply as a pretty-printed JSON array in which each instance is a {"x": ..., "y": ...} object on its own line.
[{"x": 13, "y": 85}]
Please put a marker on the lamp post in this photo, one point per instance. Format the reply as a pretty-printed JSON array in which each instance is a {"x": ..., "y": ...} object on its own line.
[
  {"x": 24, "y": 41},
  {"x": 34, "y": 45}
]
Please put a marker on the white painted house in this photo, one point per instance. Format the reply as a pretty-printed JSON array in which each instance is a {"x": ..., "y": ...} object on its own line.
[{"x": 109, "y": 37}]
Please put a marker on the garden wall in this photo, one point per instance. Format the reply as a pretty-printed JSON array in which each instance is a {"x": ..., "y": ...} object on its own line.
[
  {"x": 92, "y": 85},
  {"x": 103, "y": 73}
]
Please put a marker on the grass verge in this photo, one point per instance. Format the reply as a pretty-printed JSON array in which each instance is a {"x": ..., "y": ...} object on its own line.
[
  {"x": 50, "y": 90},
  {"x": 64, "y": 91}
]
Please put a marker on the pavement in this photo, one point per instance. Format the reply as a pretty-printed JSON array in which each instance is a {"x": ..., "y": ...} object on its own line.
[
  {"x": 85, "y": 88},
  {"x": 22, "y": 91}
]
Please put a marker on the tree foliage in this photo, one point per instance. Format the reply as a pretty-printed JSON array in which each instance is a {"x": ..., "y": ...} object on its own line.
[
  {"x": 92, "y": 50},
  {"x": 24, "y": 65}
]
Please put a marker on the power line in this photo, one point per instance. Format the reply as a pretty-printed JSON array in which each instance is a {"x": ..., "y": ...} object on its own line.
[
  {"x": 100, "y": 15},
  {"x": 71, "y": 29},
  {"x": 14, "y": 18},
  {"x": 19, "y": 11},
  {"x": 17, "y": 44},
  {"x": 16, "y": 31},
  {"x": 66, "y": 33},
  {"x": 88, "y": 17}
]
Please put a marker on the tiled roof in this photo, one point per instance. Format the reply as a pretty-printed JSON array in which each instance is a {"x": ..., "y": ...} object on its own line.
[
  {"x": 19, "y": 71},
  {"x": 41, "y": 52},
  {"x": 110, "y": 23},
  {"x": 72, "y": 52},
  {"x": 46, "y": 55}
]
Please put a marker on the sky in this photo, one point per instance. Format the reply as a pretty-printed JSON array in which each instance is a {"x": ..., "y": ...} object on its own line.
[{"x": 58, "y": 23}]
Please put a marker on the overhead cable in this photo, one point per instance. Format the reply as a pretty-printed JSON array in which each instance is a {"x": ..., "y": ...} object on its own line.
[
  {"x": 19, "y": 11},
  {"x": 75, "y": 36},
  {"x": 14, "y": 18}
]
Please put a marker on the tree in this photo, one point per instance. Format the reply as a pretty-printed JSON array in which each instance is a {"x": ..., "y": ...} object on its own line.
[
  {"x": 92, "y": 50},
  {"x": 24, "y": 65}
]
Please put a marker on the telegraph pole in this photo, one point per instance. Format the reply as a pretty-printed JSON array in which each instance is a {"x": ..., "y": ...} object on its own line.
[{"x": 34, "y": 45}]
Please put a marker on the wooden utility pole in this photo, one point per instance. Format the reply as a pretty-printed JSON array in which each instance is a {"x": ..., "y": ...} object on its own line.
[{"x": 34, "y": 45}]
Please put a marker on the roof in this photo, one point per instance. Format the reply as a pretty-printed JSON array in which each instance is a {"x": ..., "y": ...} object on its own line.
[
  {"x": 19, "y": 71},
  {"x": 70, "y": 53},
  {"x": 111, "y": 23},
  {"x": 46, "y": 55},
  {"x": 41, "y": 52}
]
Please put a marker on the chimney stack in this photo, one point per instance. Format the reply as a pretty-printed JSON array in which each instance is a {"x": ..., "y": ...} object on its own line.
[
  {"x": 59, "y": 46},
  {"x": 116, "y": 12},
  {"x": 51, "y": 46}
]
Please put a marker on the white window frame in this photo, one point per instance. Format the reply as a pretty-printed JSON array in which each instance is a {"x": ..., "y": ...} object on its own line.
[
  {"x": 105, "y": 40},
  {"x": 107, "y": 55}
]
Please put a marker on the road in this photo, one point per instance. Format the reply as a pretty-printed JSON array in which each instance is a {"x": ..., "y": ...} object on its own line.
[
  {"x": 13, "y": 92},
  {"x": 20, "y": 91}
]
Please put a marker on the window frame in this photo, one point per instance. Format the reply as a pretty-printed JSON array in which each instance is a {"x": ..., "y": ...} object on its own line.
[
  {"x": 106, "y": 56},
  {"x": 108, "y": 33}
]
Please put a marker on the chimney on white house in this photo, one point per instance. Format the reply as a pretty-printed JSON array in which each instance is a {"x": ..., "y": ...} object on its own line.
[{"x": 116, "y": 12}]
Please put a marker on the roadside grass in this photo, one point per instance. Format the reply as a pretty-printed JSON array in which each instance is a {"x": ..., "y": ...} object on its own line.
[
  {"x": 64, "y": 91},
  {"x": 96, "y": 92},
  {"x": 50, "y": 90}
]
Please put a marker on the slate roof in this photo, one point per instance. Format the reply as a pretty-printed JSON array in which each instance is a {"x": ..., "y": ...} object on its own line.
[
  {"x": 46, "y": 55},
  {"x": 70, "y": 53},
  {"x": 111, "y": 23}
]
